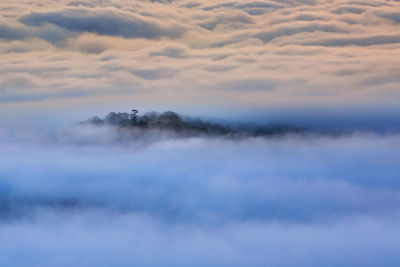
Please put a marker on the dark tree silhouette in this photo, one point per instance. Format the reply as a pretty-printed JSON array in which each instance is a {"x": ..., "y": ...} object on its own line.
[
  {"x": 187, "y": 126},
  {"x": 133, "y": 115}
]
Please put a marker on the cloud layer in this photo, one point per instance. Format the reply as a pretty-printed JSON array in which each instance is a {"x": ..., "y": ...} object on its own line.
[
  {"x": 183, "y": 53},
  {"x": 84, "y": 198}
]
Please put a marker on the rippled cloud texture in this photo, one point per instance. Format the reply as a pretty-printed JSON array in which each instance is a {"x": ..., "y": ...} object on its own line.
[
  {"x": 81, "y": 197},
  {"x": 252, "y": 53}
]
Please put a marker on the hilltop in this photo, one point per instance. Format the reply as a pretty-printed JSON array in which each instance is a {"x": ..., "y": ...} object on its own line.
[{"x": 185, "y": 125}]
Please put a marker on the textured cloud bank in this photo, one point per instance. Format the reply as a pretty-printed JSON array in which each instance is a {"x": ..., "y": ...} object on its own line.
[
  {"x": 83, "y": 198},
  {"x": 103, "y": 23},
  {"x": 181, "y": 53}
]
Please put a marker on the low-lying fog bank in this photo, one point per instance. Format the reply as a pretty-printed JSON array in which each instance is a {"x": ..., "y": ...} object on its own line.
[{"x": 92, "y": 195}]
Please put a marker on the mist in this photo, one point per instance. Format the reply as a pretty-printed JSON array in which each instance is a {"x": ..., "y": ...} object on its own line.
[{"x": 90, "y": 196}]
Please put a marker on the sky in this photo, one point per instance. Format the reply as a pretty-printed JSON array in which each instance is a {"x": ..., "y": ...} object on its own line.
[
  {"x": 100, "y": 195},
  {"x": 214, "y": 58}
]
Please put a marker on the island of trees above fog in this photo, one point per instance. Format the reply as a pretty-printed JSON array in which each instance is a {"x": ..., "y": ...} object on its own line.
[{"x": 184, "y": 125}]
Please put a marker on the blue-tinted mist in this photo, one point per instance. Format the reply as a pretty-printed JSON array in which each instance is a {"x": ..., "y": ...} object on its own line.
[{"x": 83, "y": 196}]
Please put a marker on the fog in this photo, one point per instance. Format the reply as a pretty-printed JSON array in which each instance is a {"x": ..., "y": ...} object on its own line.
[{"x": 93, "y": 196}]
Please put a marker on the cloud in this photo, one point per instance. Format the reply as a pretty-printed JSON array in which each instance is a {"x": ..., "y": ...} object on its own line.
[
  {"x": 244, "y": 6},
  {"x": 91, "y": 44},
  {"x": 90, "y": 197},
  {"x": 12, "y": 33},
  {"x": 16, "y": 83},
  {"x": 268, "y": 36},
  {"x": 49, "y": 33},
  {"x": 81, "y": 3},
  {"x": 69, "y": 239},
  {"x": 349, "y": 9},
  {"x": 306, "y": 17},
  {"x": 252, "y": 84},
  {"x": 171, "y": 51},
  {"x": 258, "y": 4},
  {"x": 191, "y": 5},
  {"x": 358, "y": 41},
  {"x": 103, "y": 22},
  {"x": 394, "y": 16},
  {"x": 154, "y": 74},
  {"x": 269, "y": 185},
  {"x": 233, "y": 21},
  {"x": 369, "y": 3}
]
